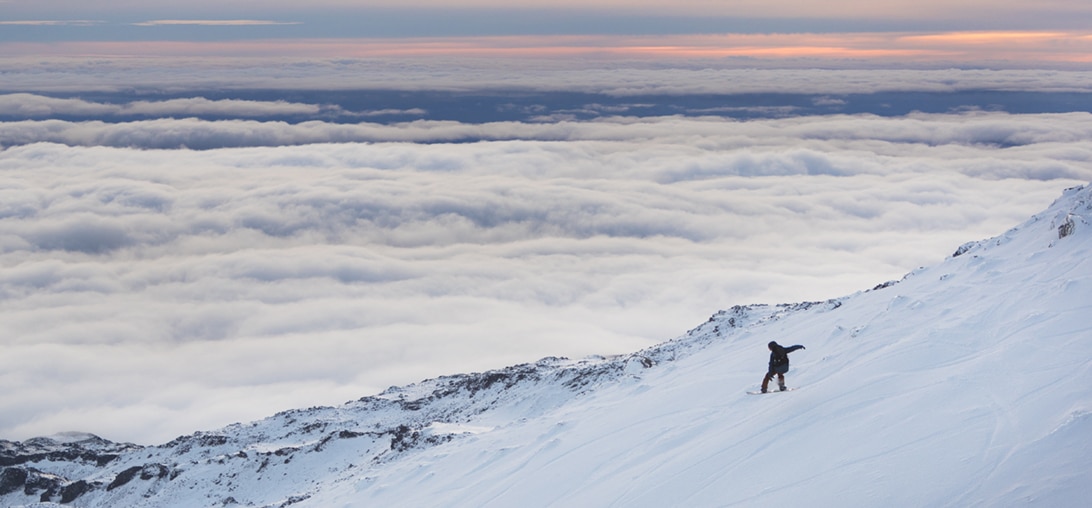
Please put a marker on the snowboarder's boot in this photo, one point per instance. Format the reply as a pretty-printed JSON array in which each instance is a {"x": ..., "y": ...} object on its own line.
[{"x": 782, "y": 387}]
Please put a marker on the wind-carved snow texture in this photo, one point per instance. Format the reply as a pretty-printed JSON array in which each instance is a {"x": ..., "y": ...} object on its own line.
[{"x": 965, "y": 384}]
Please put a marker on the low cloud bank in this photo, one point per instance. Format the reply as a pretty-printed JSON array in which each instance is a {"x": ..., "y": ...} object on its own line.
[
  {"x": 39, "y": 106},
  {"x": 897, "y": 134},
  {"x": 617, "y": 77}
]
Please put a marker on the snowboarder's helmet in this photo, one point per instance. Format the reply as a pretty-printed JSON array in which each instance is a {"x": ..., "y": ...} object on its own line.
[{"x": 771, "y": 344}]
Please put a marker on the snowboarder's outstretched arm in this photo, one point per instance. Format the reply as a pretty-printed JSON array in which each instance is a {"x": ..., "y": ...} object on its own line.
[{"x": 794, "y": 348}]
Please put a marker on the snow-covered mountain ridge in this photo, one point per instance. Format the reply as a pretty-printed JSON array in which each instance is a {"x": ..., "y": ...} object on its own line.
[{"x": 965, "y": 384}]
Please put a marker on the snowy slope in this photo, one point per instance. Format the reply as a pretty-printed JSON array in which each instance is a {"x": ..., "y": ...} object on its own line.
[{"x": 964, "y": 384}]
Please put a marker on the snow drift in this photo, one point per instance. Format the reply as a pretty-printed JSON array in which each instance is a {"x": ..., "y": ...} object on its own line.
[{"x": 964, "y": 384}]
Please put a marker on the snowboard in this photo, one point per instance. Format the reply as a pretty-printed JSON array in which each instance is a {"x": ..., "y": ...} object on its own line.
[{"x": 774, "y": 390}]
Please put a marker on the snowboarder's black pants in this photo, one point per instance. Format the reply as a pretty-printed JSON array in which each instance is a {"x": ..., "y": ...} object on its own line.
[{"x": 769, "y": 375}]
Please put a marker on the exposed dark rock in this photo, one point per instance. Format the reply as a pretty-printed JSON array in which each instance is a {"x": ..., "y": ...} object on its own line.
[
  {"x": 414, "y": 405},
  {"x": 12, "y": 479},
  {"x": 887, "y": 284},
  {"x": 403, "y": 438},
  {"x": 1066, "y": 228},
  {"x": 313, "y": 427},
  {"x": 208, "y": 440},
  {"x": 47, "y": 484},
  {"x": 153, "y": 471},
  {"x": 295, "y": 499},
  {"x": 184, "y": 444},
  {"x": 39, "y": 450},
  {"x": 963, "y": 249},
  {"x": 74, "y": 490},
  {"x": 124, "y": 477}
]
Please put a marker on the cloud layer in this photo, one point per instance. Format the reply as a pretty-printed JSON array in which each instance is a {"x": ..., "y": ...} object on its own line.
[
  {"x": 309, "y": 66},
  {"x": 148, "y": 293},
  {"x": 40, "y": 106},
  {"x": 893, "y": 133}
]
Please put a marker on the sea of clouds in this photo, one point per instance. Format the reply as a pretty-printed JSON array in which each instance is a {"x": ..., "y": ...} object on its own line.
[
  {"x": 585, "y": 74},
  {"x": 168, "y": 275}
]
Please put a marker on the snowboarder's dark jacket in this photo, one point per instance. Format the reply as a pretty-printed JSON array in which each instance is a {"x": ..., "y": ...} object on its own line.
[{"x": 779, "y": 357}]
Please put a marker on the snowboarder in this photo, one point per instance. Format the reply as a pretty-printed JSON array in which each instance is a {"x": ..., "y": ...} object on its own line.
[{"x": 779, "y": 364}]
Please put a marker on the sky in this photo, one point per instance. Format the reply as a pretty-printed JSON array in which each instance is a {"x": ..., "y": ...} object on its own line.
[
  {"x": 214, "y": 212},
  {"x": 443, "y": 17},
  {"x": 925, "y": 32}
]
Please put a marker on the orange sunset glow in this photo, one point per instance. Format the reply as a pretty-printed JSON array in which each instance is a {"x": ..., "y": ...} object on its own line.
[{"x": 1014, "y": 46}]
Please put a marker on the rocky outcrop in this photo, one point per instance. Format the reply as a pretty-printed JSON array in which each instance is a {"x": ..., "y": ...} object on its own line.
[{"x": 22, "y": 465}]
